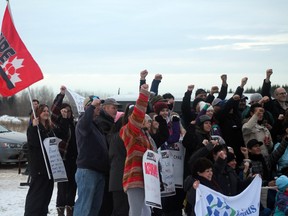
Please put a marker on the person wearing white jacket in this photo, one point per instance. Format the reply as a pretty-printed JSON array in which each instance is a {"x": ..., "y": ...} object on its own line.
[{"x": 254, "y": 128}]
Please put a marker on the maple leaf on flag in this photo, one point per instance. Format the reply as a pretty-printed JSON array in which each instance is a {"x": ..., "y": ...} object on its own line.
[{"x": 18, "y": 69}]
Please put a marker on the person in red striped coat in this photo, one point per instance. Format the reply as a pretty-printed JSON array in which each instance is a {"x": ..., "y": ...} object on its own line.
[{"x": 136, "y": 141}]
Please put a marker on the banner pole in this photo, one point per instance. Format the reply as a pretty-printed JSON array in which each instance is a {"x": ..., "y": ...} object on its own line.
[{"x": 41, "y": 143}]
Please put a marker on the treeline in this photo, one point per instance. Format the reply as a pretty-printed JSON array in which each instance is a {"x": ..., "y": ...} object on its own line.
[
  {"x": 258, "y": 90},
  {"x": 19, "y": 104},
  {"x": 273, "y": 87}
]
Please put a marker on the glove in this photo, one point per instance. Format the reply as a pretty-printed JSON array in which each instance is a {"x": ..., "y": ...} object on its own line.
[
  {"x": 159, "y": 118},
  {"x": 175, "y": 118}
]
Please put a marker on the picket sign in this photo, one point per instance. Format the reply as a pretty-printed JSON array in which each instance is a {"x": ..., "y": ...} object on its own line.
[
  {"x": 167, "y": 173},
  {"x": 55, "y": 160},
  {"x": 172, "y": 167},
  {"x": 151, "y": 179}
]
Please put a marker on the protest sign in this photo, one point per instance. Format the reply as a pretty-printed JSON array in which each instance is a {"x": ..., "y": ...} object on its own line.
[{"x": 55, "y": 160}]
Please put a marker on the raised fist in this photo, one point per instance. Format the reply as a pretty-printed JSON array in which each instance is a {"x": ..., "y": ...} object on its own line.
[
  {"x": 143, "y": 74},
  {"x": 190, "y": 87}
]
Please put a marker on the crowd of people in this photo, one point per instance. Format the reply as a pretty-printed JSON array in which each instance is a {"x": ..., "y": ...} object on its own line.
[{"x": 227, "y": 142}]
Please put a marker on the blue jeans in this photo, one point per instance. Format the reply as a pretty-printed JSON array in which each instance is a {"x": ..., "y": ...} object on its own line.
[{"x": 90, "y": 186}]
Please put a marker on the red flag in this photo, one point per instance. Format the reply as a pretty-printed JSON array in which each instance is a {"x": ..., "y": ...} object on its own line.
[{"x": 18, "y": 69}]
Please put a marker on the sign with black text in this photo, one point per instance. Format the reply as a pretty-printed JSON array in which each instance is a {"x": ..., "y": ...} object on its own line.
[
  {"x": 151, "y": 179},
  {"x": 55, "y": 160}
]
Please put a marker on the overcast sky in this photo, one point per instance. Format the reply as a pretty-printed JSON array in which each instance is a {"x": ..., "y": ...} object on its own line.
[{"x": 101, "y": 46}]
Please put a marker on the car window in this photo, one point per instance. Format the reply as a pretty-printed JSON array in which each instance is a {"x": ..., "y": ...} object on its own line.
[{"x": 3, "y": 129}]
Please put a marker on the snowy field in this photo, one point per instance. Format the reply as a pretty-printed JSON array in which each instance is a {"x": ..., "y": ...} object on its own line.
[{"x": 12, "y": 195}]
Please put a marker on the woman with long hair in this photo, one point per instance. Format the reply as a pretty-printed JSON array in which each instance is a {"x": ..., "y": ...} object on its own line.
[{"x": 41, "y": 187}]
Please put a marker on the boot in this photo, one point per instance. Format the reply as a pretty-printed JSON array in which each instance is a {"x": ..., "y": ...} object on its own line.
[
  {"x": 60, "y": 211},
  {"x": 69, "y": 210}
]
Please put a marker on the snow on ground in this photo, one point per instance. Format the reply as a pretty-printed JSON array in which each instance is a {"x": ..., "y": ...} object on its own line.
[
  {"x": 6, "y": 118},
  {"x": 12, "y": 195}
]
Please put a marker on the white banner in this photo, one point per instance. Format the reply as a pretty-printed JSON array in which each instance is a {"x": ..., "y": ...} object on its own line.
[
  {"x": 76, "y": 101},
  {"x": 55, "y": 160},
  {"x": 210, "y": 202},
  {"x": 151, "y": 179}
]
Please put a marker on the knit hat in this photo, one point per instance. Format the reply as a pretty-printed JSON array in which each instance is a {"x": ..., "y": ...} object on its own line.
[
  {"x": 255, "y": 98},
  {"x": 147, "y": 117},
  {"x": 253, "y": 142},
  {"x": 203, "y": 119},
  {"x": 158, "y": 106},
  {"x": 167, "y": 96},
  {"x": 156, "y": 98},
  {"x": 88, "y": 100},
  {"x": 201, "y": 105},
  {"x": 216, "y": 102},
  {"x": 282, "y": 183},
  {"x": 200, "y": 91},
  {"x": 200, "y": 165},
  {"x": 210, "y": 108},
  {"x": 230, "y": 157},
  {"x": 219, "y": 148},
  {"x": 221, "y": 141}
]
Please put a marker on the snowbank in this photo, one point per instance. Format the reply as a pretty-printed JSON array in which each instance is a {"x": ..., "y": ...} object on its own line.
[{"x": 11, "y": 119}]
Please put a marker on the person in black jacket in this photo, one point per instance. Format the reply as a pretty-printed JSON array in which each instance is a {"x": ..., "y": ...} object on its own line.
[
  {"x": 230, "y": 121},
  {"x": 226, "y": 176},
  {"x": 66, "y": 191},
  {"x": 41, "y": 186},
  {"x": 276, "y": 106},
  {"x": 196, "y": 133},
  {"x": 202, "y": 172},
  {"x": 117, "y": 156},
  {"x": 92, "y": 160},
  {"x": 189, "y": 113},
  {"x": 106, "y": 122}
]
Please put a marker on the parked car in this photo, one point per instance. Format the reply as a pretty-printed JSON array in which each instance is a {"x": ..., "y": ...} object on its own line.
[{"x": 11, "y": 146}]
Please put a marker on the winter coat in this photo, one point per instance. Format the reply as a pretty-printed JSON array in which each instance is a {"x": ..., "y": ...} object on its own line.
[
  {"x": 37, "y": 164},
  {"x": 117, "y": 156},
  {"x": 136, "y": 144},
  {"x": 253, "y": 130},
  {"x": 91, "y": 143}
]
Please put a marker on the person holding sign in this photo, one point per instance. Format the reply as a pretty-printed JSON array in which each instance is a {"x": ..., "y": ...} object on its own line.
[
  {"x": 41, "y": 185},
  {"x": 136, "y": 142}
]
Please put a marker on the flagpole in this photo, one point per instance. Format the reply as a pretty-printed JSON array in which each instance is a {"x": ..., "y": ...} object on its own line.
[
  {"x": 8, "y": 3},
  {"x": 41, "y": 143}
]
